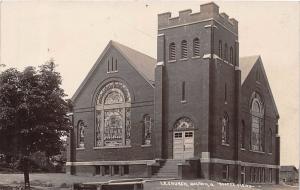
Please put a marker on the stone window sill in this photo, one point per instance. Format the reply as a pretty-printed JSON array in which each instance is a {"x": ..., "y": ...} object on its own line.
[
  {"x": 196, "y": 57},
  {"x": 183, "y": 101},
  {"x": 80, "y": 148},
  {"x": 243, "y": 149},
  {"x": 171, "y": 61},
  {"x": 225, "y": 144},
  {"x": 183, "y": 59},
  {"x": 146, "y": 145},
  {"x": 112, "y": 71},
  {"x": 108, "y": 147},
  {"x": 256, "y": 151}
]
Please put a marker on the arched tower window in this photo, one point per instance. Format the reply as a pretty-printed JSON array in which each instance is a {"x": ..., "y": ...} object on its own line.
[
  {"x": 147, "y": 124},
  {"x": 184, "y": 51},
  {"x": 257, "y": 122},
  {"x": 231, "y": 55},
  {"x": 225, "y": 129},
  {"x": 172, "y": 51},
  {"x": 220, "y": 49},
  {"x": 80, "y": 134},
  {"x": 113, "y": 122},
  {"x": 196, "y": 47}
]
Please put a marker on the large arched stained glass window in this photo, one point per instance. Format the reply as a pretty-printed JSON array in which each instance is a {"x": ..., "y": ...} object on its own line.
[
  {"x": 113, "y": 116},
  {"x": 257, "y": 122}
]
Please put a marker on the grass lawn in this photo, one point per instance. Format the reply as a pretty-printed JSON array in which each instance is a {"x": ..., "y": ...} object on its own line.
[
  {"x": 55, "y": 181},
  {"x": 50, "y": 179}
]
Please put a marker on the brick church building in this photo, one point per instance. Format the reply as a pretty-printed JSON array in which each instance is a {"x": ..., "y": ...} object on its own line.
[{"x": 196, "y": 111}]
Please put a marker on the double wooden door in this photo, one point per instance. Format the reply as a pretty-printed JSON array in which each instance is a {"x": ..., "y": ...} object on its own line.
[{"x": 183, "y": 144}]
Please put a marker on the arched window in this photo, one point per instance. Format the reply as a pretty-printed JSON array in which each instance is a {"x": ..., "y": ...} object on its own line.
[
  {"x": 113, "y": 115},
  {"x": 184, "y": 49},
  {"x": 257, "y": 122},
  {"x": 270, "y": 140},
  {"x": 148, "y": 124},
  {"x": 220, "y": 49},
  {"x": 183, "y": 91},
  {"x": 225, "y": 129},
  {"x": 184, "y": 123},
  {"x": 196, "y": 47},
  {"x": 243, "y": 134},
  {"x": 226, "y": 52},
  {"x": 225, "y": 93},
  {"x": 231, "y": 55},
  {"x": 112, "y": 65},
  {"x": 172, "y": 51},
  {"x": 80, "y": 134}
]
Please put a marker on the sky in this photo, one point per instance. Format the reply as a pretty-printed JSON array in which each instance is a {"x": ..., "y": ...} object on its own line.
[{"x": 74, "y": 33}]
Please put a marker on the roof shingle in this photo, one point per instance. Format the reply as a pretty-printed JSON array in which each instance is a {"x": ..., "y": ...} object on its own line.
[{"x": 143, "y": 63}]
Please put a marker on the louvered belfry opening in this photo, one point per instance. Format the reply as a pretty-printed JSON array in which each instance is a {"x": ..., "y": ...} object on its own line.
[
  {"x": 184, "y": 49},
  {"x": 172, "y": 51},
  {"x": 196, "y": 47}
]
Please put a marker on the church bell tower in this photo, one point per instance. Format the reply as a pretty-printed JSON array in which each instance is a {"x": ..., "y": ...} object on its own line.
[{"x": 197, "y": 79}]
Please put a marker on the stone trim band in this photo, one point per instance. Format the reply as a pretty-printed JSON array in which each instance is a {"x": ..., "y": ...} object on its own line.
[
  {"x": 136, "y": 162},
  {"x": 150, "y": 162}
]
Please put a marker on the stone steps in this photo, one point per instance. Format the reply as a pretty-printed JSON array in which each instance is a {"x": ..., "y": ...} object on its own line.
[{"x": 168, "y": 169}]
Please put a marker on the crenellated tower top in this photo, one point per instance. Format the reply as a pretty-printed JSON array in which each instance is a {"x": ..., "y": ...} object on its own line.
[{"x": 207, "y": 11}]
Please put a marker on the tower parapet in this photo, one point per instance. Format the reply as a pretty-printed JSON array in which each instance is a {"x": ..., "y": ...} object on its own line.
[{"x": 207, "y": 11}]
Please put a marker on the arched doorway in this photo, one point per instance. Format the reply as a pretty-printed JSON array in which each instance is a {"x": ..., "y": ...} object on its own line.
[{"x": 183, "y": 139}]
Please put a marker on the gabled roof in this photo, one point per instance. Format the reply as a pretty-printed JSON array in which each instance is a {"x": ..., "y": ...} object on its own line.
[
  {"x": 143, "y": 64},
  {"x": 246, "y": 65}
]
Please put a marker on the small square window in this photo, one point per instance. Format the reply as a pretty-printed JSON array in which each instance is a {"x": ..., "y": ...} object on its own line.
[
  {"x": 188, "y": 134},
  {"x": 178, "y": 135}
]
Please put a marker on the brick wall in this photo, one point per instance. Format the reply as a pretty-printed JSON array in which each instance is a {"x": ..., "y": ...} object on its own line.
[
  {"x": 142, "y": 95},
  {"x": 270, "y": 121}
]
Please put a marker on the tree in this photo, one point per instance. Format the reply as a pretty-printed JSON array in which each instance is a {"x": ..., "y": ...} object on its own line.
[{"x": 32, "y": 114}]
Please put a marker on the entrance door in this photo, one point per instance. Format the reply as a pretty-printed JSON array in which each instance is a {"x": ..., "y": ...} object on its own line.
[{"x": 183, "y": 144}]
